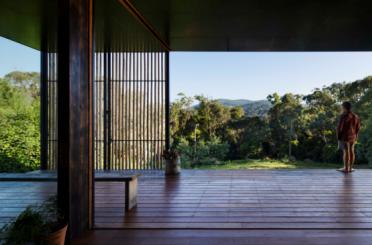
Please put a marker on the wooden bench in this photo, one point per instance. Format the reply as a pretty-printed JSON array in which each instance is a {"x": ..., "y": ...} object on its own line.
[
  {"x": 131, "y": 184},
  {"x": 131, "y": 188}
]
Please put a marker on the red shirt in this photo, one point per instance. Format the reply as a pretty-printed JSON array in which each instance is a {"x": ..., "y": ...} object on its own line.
[{"x": 348, "y": 127}]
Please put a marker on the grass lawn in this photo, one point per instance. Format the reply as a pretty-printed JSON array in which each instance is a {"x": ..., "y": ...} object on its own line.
[{"x": 267, "y": 164}]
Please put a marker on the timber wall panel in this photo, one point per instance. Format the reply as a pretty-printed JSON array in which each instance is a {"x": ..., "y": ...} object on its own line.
[{"x": 129, "y": 92}]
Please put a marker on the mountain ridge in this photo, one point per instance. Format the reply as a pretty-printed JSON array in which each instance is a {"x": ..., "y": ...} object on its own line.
[{"x": 251, "y": 107}]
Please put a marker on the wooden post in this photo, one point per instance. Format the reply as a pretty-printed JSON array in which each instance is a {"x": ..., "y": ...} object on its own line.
[
  {"x": 167, "y": 102},
  {"x": 131, "y": 190},
  {"x": 44, "y": 109},
  {"x": 75, "y": 134}
]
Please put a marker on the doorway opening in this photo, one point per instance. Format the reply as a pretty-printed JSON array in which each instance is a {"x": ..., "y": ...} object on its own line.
[{"x": 267, "y": 110}]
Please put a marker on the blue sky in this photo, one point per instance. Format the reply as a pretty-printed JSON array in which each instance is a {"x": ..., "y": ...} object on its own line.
[
  {"x": 14, "y": 56},
  {"x": 249, "y": 75},
  {"x": 254, "y": 75}
]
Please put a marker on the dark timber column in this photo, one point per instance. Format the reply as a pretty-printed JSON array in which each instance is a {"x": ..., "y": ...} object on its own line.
[
  {"x": 167, "y": 102},
  {"x": 44, "y": 110},
  {"x": 107, "y": 109},
  {"x": 75, "y": 173}
]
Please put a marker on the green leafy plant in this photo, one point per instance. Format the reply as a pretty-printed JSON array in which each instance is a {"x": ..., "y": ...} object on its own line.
[
  {"x": 365, "y": 142},
  {"x": 211, "y": 152},
  {"x": 19, "y": 122},
  {"x": 33, "y": 223},
  {"x": 170, "y": 154}
]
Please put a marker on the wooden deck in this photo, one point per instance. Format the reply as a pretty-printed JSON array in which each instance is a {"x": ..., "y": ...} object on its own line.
[
  {"x": 16, "y": 196},
  {"x": 223, "y": 207},
  {"x": 226, "y": 237},
  {"x": 256, "y": 199}
]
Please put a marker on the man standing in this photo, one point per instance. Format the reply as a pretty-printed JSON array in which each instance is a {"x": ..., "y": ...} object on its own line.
[{"x": 347, "y": 134}]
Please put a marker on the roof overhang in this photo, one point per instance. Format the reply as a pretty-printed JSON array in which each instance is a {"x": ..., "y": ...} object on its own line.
[{"x": 208, "y": 25}]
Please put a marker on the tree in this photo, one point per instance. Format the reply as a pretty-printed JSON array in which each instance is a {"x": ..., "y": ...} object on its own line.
[
  {"x": 211, "y": 117},
  {"x": 28, "y": 82},
  {"x": 285, "y": 112},
  {"x": 296, "y": 125},
  {"x": 366, "y": 141},
  {"x": 19, "y": 123},
  {"x": 319, "y": 140},
  {"x": 253, "y": 133}
]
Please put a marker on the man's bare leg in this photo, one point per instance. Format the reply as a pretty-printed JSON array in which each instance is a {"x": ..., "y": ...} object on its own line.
[
  {"x": 352, "y": 156},
  {"x": 348, "y": 157},
  {"x": 345, "y": 158}
]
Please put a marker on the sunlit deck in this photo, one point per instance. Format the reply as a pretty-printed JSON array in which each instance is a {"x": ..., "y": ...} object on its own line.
[
  {"x": 231, "y": 201},
  {"x": 16, "y": 196},
  {"x": 258, "y": 199}
]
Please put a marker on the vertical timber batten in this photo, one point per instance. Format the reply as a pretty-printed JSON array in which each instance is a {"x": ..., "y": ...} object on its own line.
[
  {"x": 167, "y": 102},
  {"x": 107, "y": 110},
  {"x": 75, "y": 169},
  {"x": 44, "y": 110},
  {"x": 132, "y": 98},
  {"x": 131, "y": 103}
]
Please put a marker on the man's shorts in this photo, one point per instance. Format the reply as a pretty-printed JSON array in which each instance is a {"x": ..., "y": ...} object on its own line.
[{"x": 342, "y": 145}]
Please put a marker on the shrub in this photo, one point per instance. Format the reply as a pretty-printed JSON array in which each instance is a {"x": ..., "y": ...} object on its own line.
[
  {"x": 19, "y": 134},
  {"x": 203, "y": 153},
  {"x": 218, "y": 150},
  {"x": 33, "y": 224},
  {"x": 330, "y": 153},
  {"x": 365, "y": 147}
]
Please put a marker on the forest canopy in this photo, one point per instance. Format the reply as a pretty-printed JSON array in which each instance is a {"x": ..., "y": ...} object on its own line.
[
  {"x": 19, "y": 121},
  {"x": 207, "y": 131},
  {"x": 297, "y": 127}
]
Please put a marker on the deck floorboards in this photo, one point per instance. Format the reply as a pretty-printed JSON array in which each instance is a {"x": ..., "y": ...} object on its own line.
[
  {"x": 16, "y": 196},
  {"x": 251, "y": 199},
  {"x": 226, "y": 237},
  {"x": 223, "y": 207}
]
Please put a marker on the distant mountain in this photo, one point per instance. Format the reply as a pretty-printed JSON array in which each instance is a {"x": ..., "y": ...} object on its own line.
[
  {"x": 228, "y": 102},
  {"x": 251, "y": 107}
]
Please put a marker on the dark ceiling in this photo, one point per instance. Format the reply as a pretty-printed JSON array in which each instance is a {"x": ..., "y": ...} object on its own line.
[
  {"x": 20, "y": 21},
  {"x": 209, "y": 25},
  {"x": 262, "y": 25}
]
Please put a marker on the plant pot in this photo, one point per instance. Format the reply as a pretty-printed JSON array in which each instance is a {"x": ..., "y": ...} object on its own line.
[
  {"x": 56, "y": 238},
  {"x": 172, "y": 166}
]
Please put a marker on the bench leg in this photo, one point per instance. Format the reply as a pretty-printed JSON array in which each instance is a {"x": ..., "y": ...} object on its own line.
[{"x": 130, "y": 194}]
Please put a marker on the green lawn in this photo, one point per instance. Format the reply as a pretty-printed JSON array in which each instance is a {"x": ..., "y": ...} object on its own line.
[{"x": 266, "y": 164}]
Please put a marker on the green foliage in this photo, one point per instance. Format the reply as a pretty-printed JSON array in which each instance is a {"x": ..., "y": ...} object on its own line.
[
  {"x": 365, "y": 139},
  {"x": 25, "y": 228},
  {"x": 33, "y": 223},
  {"x": 266, "y": 164},
  {"x": 252, "y": 132},
  {"x": 303, "y": 126},
  {"x": 202, "y": 153},
  {"x": 207, "y": 131},
  {"x": 28, "y": 82},
  {"x": 218, "y": 149},
  {"x": 19, "y": 122}
]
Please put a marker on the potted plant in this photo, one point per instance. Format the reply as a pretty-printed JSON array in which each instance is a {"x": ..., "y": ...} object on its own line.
[
  {"x": 41, "y": 224},
  {"x": 172, "y": 162}
]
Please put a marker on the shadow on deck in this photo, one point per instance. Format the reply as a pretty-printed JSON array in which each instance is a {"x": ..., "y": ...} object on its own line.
[
  {"x": 215, "y": 205},
  {"x": 252, "y": 199}
]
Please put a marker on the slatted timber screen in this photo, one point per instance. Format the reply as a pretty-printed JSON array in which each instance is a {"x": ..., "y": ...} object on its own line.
[
  {"x": 130, "y": 94},
  {"x": 129, "y": 110},
  {"x": 49, "y": 120}
]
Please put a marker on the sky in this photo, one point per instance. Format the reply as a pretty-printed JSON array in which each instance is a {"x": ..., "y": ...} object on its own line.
[
  {"x": 234, "y": 75},
  {"x": 254, "y": 75},
  {"x": 14, "y": 56}
]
